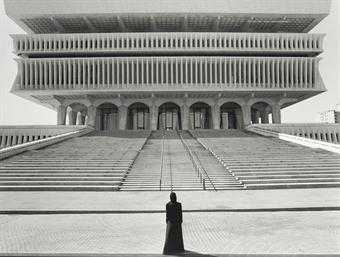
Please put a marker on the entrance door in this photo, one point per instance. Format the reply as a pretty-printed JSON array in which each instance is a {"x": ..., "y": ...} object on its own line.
[
  {"x": 108, "y": 117},
  {"x": 169, "y": 117}
]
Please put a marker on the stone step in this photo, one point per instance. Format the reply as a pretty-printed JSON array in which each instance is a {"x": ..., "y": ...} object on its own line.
[
  {"x": 177, "y": 189},
  {"x": 268, "y": 161},
  {"x": 293, "y": 185},
  {"x": 60, "y": 174},
  {"x": 80, "y": 179},
  {"x": 157, "y": 183},
  {"x": 288, "y": 180},
  {"x": 273, "y": 163},
  {"x": 63, "y": 173},
  {"x": 38, "y": 169},
  {"x": 278, "y": 161},
  {"x": 289, "y": 176},
  {"x": 284, "y": 168},
  {"x": 59, "y": 188},
  {"x": 15, "y": 182},
  {"x": 73, "y": 163},
  {"x": 61, "y": 165},
  {"x": 285, "y": 173}
]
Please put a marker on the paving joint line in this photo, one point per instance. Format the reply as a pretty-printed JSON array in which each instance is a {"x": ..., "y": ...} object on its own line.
[{"x": 55, "y": 212}]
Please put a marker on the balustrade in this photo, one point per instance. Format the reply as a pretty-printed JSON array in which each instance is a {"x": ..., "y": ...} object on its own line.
[
  {"x": 324, "y": 132},
  {"x": 16, "y": 135},
  {"x": 267, "y": 73},
  {"x": 167, "y": 42}
]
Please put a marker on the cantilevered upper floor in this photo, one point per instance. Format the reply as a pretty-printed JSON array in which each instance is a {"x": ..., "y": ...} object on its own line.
[
  {"x": 98, "y": 16},
  {"x": 162, "y": 43}
]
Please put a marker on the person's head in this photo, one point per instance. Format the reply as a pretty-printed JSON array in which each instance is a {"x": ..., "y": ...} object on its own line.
[{"x": 173, "y": 197}]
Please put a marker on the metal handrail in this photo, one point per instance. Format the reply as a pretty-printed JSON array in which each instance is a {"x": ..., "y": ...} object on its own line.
[
  {"x": 201, "y": 175},
  {"x": 170, "y": 168},
  {"x": 205, "y": 172},
  {"x": 162, "y": 163},
  {"x": 34, "y": 145}
]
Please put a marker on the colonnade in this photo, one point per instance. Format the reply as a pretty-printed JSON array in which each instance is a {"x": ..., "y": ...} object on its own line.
[{"x": 169, "y": 115}]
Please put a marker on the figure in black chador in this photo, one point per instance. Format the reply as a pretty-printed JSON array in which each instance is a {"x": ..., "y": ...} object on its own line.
[{"x": 174, "y": 237}]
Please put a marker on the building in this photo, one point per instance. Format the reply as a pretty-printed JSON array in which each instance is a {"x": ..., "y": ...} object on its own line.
[
  {"x": 181, "y": 64},
  {"x": 331, "y": 116}
]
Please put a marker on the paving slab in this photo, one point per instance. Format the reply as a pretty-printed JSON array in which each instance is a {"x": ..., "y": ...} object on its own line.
[
  {"x": 204, "y": 233},
  {"x": 233, "y": 200}
]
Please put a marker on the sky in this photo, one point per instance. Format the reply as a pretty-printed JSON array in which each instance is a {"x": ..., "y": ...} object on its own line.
[{"x": 15, "y": 110}]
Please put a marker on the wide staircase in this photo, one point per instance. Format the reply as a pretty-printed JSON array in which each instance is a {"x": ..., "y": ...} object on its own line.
[
  {"x": 98, "y": 161},
  {"x": 163, "y": 164},
  {"x": 265, "y": 162},
  {"x": 172, "y": 160},
  {"x": 216, "y": 175}
]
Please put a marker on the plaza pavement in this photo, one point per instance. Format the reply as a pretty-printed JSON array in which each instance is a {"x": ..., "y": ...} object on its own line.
[
  {"x": 234, "y": 200},
  {"x": 296, "y": 221},
  {"x": 143, "y": 233}
]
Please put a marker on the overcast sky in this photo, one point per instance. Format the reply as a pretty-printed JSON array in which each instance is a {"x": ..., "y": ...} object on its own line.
[{"x": 17, "y": 111}]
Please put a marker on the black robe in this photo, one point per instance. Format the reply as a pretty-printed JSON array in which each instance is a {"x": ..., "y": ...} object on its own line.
[{"x": 174, "y": 236}]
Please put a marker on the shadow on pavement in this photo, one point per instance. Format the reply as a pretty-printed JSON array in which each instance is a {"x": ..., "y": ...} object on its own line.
[{"x": 192, "y": 254}]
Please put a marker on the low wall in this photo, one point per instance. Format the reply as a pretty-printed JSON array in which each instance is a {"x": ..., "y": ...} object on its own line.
[
  {"x": 16, "y": 135},
  {"x": 37, "y": 144},
  {"x": 317, "y": 131},
  {"x": 313, "y": 143}
]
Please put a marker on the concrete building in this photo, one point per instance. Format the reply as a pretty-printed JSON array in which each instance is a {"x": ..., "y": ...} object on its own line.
[
  {"x": 331, "y": 116},
  {"x": 181, "y": 64}
]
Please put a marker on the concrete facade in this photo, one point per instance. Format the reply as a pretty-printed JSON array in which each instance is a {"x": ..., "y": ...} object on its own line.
[
  {"x": 331, "y": 116},
  {"x": 223, "y": 66}
]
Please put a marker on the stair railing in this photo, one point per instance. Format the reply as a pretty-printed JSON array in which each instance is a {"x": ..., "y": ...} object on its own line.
[
  {"x": 170, "y": 168},
  {"x": 162, "y": 163},
  {"x": 35, "y": 145},
  {"x": 201, "y": 172}
]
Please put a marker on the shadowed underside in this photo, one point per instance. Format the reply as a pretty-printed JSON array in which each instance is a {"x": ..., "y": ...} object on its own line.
[{"x": 181, "y": 15}]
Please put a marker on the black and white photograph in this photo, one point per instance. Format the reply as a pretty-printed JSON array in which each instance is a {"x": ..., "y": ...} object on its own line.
[{"x": 198, "y": 128}]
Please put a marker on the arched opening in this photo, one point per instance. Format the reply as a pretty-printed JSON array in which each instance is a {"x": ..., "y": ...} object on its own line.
[
  {"x": 200, "y": 116},
  {"x": 261, "y": 113},
  {"x": 169, "y": 116},
  {"x": 231, "y": 116},
  {"x": 76, "y": 114},
  {"x": 138, "y": 117},
  {"x": 107, "y": 117}
]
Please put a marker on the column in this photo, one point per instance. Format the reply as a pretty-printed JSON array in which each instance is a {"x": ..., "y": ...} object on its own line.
[
  {"x": 79, "y": 119},
  {"x": 225, "y": 120},
  {"x": 91, "y": 116},
  {"x": 257, "y": 116},
  {"x": 216, "y": 117},
  {"x": 61, "y": 115},
  {"x": 239, "y": 121},
  {"x": 175, "y": 120},
  {"x": 70, "y": 117},
  {"x": 264, "y": 116},
  {"x": 153, "y": 117},
  {"x": 246, "y": 115},
  {"x": 204, "y": 119},
  {"x": 191, "y": 120},
  {"x": 122, "y": 117},
  {"x": 135, "y": 119},
  {"x": 185, "y": 117},
  {"x": 98, "y": 119},
  {"x": 9, "y": 140},
  {"x": 20, "y": 139},
  {"x": 276, "y": 114},
  {"x": 3, "y": 141},
  {"x": 147, "y": 120}
]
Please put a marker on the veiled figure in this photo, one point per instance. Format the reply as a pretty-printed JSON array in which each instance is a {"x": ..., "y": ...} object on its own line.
[{"x": 174, "y": 236}]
